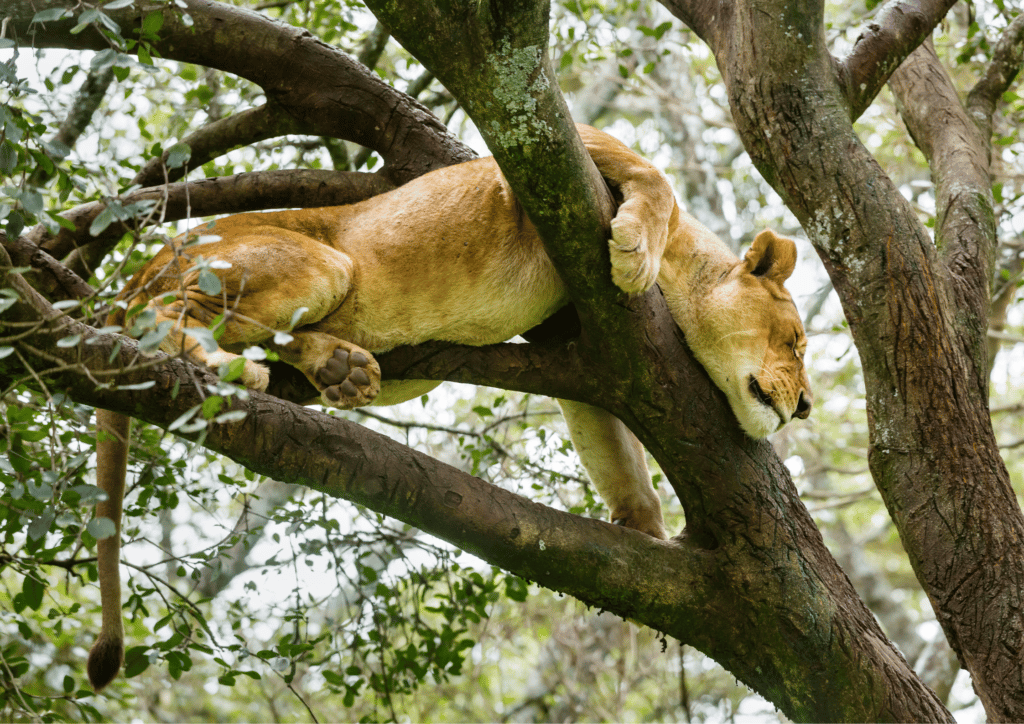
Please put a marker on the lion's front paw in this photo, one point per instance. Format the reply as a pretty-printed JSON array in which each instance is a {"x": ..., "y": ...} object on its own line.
[
  {"x": 634, "y": 267},
  {"x": 348, "y": 379}
]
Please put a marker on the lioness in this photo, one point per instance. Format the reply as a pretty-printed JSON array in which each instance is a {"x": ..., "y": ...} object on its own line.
[{"x": 451, "y": 257}]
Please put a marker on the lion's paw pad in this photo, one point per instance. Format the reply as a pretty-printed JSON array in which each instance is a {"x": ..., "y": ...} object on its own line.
[{"x": 348, "y": 379}]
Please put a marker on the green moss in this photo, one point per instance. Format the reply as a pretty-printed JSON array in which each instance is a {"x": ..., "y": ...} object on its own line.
[{"x": 517, "y": 76}]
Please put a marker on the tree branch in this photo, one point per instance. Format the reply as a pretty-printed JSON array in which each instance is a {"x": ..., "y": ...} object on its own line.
[
  {"x": 50, "y": 277},
  {"x": 1002, "y": 70},
  {"x": 958, "y": 155},
  {"x": 323, "y": 89},
  {"x": 217, "y": 138},
  {"x": 947, "y": 488},
  {"x": 899, "y": 27},
  {"x": 252, "y": 191}
]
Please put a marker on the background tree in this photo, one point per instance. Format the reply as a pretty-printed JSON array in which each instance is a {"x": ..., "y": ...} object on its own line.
[{"x": 750, "y": 583}]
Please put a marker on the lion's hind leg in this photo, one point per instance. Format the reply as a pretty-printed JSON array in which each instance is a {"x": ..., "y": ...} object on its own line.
[
  {"x": 346, "y": 375},
  {"x": 189, "y": 317},
  {"x": 244, "y": 290}
]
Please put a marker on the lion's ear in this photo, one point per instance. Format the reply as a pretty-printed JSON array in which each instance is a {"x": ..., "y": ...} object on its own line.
[{"x": 771, "y": 256}]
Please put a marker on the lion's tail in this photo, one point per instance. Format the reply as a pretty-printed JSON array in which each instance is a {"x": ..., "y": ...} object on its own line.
[{"x": 107, "y": 653}]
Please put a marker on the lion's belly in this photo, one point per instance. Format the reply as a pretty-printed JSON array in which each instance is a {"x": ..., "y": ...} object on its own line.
[{"x": 451, "y": 306}]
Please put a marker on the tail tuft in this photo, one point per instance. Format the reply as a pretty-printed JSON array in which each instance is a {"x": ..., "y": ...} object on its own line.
[{"x": 105, "y": 661}]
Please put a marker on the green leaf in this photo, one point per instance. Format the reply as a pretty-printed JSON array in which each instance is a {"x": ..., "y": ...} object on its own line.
[
  {"x": 137, "y": 385},
  {"x": 516, "y": 588},
  {"x": 203, "y": 336},
  {"x": 333, "y": 677},
  {"x": 209, "y": 283},
  {"x": 32, "y": 202},
  {"x": 8, "y": 158},
  {"x": 101, "y": 222},
  {"x": 50, "y": 14},
  {"x": 151, "y": 341},
  {"x": 136, "y": 660},
  {"x": 231, "y": 416},
  {"x": 233, "y": 370},
  {"x": 212, "y": 405},
  {"x": 32, "y": 590},
  {"x": 178, "y": 154},
  {"x": 100, "y": 528},
  {"x": 41, "y": 525},
  {"x": 152, "y": 23}
]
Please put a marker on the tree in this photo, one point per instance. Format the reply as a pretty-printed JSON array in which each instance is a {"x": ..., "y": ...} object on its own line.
[{"x": 750, "y": 582}]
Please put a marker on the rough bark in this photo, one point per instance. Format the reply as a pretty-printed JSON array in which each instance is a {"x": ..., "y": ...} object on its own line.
[{"x": 916, "y": 311}]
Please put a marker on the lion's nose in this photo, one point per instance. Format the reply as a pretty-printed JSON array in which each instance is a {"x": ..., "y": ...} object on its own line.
[{"x": 803, "y": 405}]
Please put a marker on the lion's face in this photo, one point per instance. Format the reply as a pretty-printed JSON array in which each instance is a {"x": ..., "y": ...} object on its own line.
[{"x": 752, "y": 340}]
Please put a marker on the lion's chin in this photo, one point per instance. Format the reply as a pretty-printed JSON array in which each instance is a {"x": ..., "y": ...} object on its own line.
[{"x": 756, "y": 411}]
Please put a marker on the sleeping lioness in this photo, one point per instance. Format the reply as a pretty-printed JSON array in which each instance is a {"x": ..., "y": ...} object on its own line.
[{"x": 451, "y": 257}]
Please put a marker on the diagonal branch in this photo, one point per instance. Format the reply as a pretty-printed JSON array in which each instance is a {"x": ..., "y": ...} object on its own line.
[
  {"x": 899, "y": 27},
  {"x": 217, "y": 138},
  {"x": 958, "y": 155},
  {"x": 1002, "y": 70}
]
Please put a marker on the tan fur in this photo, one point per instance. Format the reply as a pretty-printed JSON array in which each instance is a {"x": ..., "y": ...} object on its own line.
[{"x": 451, "y": 257}]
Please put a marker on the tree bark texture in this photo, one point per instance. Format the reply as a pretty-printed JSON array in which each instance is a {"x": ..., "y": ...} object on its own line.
[{"x": 917, "y": 309}]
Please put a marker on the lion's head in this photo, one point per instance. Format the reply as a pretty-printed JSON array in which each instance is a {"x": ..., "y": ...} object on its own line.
[{"x": 750, "y": 339}]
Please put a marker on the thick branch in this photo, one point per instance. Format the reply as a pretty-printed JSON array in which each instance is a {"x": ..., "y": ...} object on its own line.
[
  {"x": 49, "y": 276},
  {"x": 946, "y": 487},
  {"x": 322, "y": 88},
  {"x": 899, "y": 27}
]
